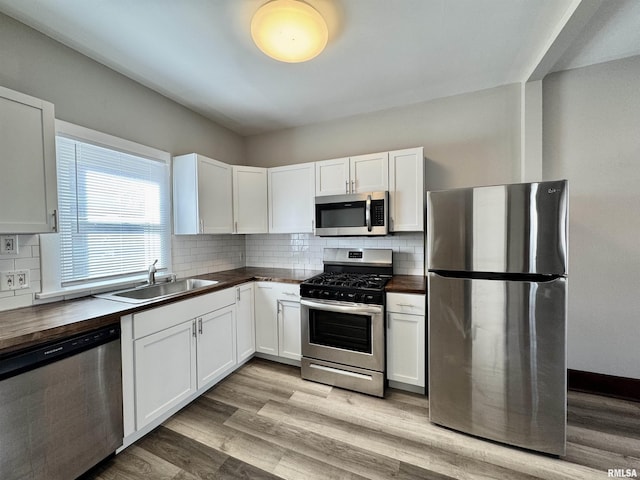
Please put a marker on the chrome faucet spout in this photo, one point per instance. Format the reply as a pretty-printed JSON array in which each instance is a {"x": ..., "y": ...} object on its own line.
[{"x": 152, "y": 273}]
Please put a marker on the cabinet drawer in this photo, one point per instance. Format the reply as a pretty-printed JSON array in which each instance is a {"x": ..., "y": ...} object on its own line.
[
  {"x": 160, "y": 318},
  {"x": 289, "y": 291},
  {"x": 406, "y": 303}
]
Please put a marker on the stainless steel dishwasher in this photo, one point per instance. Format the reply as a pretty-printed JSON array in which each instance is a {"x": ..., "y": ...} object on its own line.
[{"x": 61, "y": 406}]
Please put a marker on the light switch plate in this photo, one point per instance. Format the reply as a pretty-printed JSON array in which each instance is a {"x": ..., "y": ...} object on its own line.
[{"x": 8, "y": 245}]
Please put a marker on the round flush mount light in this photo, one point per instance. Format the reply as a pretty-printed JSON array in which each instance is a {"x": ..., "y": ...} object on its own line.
[{"x": 289, "y": 30}]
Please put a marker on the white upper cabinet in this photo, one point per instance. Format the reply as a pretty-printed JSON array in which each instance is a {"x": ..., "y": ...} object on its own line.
[
  {"x": 369, "y": 173},
  {"x": 250, "y": 199},
  {"x": 406, "y": 190},
  {"x": 332, "y": 177},
  {"x": 359, "y": 174},
  {"x": 28, "y": 189},
  {"x": 291, "y": 198},
  {"x": 202, "y": 198}
]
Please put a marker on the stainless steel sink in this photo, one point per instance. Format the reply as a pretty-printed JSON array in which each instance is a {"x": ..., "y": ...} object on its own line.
[{"x": 160, "y": 290}]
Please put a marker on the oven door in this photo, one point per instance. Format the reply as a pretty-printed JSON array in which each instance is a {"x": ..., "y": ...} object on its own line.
[{"x": 346, "y": 333}]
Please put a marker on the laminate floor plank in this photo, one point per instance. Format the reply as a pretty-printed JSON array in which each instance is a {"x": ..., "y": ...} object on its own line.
[
  {"x": 288, "y": 377},
  {"x": 296, "y": 466},
  {"x": 324, "y": 449},
  {"x": 615, "y": 445},
  {"x": 265, "y": 422},
  {"x": 436, "y": 461},
  {"x": 135, "y": 463},
  {"x": 186, "y": 453},
  {"x": 347, "y": 408}
]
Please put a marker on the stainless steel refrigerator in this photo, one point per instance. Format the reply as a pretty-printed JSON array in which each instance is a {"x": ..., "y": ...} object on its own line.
[{"x": 497, "y": 298}]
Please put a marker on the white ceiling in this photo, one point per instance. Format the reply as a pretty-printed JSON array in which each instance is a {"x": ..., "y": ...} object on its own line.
[{"x": 380, "y": 54}]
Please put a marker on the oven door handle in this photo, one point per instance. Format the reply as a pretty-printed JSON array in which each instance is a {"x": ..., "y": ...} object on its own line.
[{"x": 333, "y": 307}]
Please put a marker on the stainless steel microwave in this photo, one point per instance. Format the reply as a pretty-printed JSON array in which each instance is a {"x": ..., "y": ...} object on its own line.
[{"x": 353, "y": 214}]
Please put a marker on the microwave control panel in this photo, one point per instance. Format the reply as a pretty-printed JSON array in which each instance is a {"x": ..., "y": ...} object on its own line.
[{"x": 377, "y": 213}]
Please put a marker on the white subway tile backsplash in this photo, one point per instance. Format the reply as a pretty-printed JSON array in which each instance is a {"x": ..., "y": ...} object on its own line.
[
  {"x": 305, "y": 251},
  {"x": 200, "y": 254}
]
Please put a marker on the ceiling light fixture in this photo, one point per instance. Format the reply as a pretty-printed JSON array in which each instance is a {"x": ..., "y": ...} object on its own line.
[{"x": 289, "y": 30}]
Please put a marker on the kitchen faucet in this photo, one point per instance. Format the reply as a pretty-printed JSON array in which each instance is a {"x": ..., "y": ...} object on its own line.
[{"x": 152, "y": 273}]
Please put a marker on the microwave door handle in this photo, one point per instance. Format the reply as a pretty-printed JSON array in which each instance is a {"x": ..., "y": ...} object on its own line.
[{"x": 367, "y": 214}]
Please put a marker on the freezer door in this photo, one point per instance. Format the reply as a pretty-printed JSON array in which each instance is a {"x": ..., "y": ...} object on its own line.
[
  {"x": 497, "y": 360},
  {"x": 519, "y": 228}
]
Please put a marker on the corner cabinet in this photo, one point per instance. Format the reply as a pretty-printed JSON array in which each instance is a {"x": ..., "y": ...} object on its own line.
[
  {"x": 406, "y": 190},
  {"x": 406, "y": 339},
  {"x": 202, "y": 198},
  {"x": 28, "y": 189},
  {"x": 359, "y": 174},
  {"x": 246, "y": 325},
  {"x": 250, "y": 199},
  {"x": 291, "y": 198}
]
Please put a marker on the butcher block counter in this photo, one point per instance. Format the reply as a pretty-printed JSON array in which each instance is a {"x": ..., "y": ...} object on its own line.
[{"x": 25, "y": 327}]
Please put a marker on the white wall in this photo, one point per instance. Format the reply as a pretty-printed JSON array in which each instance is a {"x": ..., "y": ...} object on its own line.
[
  {"x": 591, "y": 132},
  {"x": 89, "y": 94},
  {"x": 469, "y": 139}
]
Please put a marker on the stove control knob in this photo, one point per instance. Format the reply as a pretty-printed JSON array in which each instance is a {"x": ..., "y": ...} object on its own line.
[
  {"x": 368, "y": 298},
  {"x": 357, "y": 297}
]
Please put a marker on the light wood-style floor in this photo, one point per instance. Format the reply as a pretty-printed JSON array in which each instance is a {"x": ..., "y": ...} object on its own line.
[{"x": 265, "y": 422}]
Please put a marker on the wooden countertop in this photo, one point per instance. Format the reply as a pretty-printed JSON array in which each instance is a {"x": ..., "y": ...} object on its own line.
[
  {"x": 407, "y": 284},
  {"x": 25, "y": 327}
]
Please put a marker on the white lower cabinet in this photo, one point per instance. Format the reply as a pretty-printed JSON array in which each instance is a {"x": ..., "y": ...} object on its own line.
[
  {"x": 179, "y": 349},
  {"x": 216, "y": 349},
  {"x": 277, "y": 307},
  {"x": 246, "y": 324},
  {"x": 406, "y": 360},
  {"x": 164, "y": 371}
]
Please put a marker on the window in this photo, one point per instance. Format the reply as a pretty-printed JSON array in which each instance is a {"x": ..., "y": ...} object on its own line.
[{"x": 113, "y": 211}]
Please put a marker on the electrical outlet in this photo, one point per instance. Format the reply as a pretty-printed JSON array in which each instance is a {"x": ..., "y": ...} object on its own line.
[
  {"x": 21, "y": 279},
  {"x": 9, "y": 245},
  {"x": 7, "y": 281}
]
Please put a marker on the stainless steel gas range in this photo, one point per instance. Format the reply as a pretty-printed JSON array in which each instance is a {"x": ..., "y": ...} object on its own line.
[{"x": 343, "y": 318}]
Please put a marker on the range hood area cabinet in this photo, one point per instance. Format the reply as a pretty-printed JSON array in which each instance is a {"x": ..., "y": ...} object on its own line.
[
  {"x": 28, "y": 188},
  {"x": 359, "y": 174},
  {"x": 202, "y": 198}
]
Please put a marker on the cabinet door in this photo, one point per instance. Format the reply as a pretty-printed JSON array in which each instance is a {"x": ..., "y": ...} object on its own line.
[
  {"x": 370, "y": 173},
  {"x": 406, "y": 348},
  {"x": 202, "y": 195},
  {"x": 406, "y": 190},
  {"x": 216, "y": 352},
  {"x": 215, "y": 199},
  {"x": 332, "y": 177},
  {"x": 28, "y": 188},
  {"x": 289, "y": 329},
  {"x": 250, "y": 199},
  {"x": 266, "y": 317},
  {"x": 291, "y": 198},
  {"x": 246, "y": 325},
  {"x": 165, "y": 371}
]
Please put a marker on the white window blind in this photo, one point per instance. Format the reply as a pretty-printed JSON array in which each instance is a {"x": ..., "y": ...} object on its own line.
[{"x": 113, "y": 212}]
